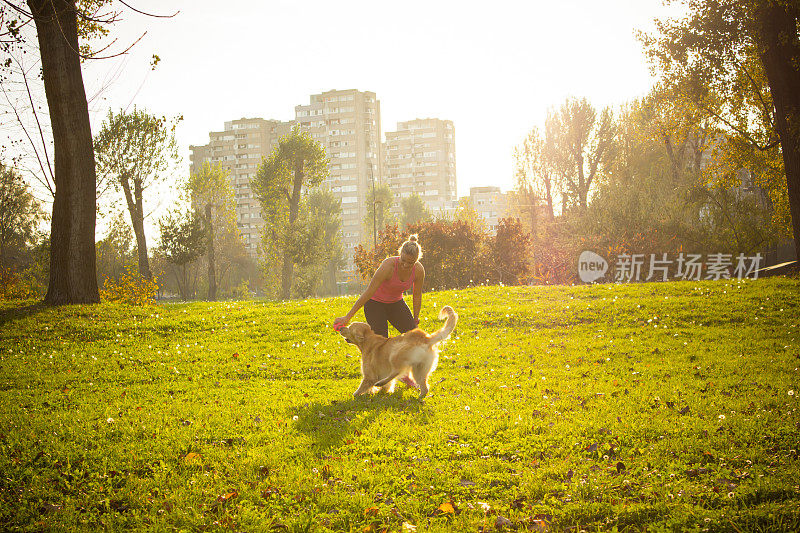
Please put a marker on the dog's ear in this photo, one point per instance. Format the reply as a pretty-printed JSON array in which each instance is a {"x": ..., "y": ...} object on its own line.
[{"x": 357, "y": 332}]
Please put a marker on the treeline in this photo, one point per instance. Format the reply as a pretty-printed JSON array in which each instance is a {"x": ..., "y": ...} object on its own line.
[{"x": 655, "y": 177}]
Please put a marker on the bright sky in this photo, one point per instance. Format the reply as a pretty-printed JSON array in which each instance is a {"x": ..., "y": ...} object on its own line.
[{"x": 493, "y": 68}]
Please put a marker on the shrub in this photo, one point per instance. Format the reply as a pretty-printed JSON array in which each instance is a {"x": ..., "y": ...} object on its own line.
[
  {"x": 20, "y": 285},
  {"x": 130, "y": 288},
  {"x": 456, "y": 253},
  {"x": 243, "y": 292}
]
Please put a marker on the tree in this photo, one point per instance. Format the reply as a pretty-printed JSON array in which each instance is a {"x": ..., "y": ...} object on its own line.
[
  {"x": 368, "y": 259},
  {"x": 297, "y": 162},
  {"x": 211, "y": 194},
  {"x": 744, "y": 57},
  {"x": 535, "y": 179},
  {"x": 579, "y": 142},
  {"x": 324, "y": 212},
  {"x": 183, "y": 240},
  {"x": 465, "y": 211},
  {"x": 72, "y": 254},
  {"x": 136, "y": 149},
  {"x": 116, "y": 252},
  {"x": 379, "y": 202},
  {"x": 509, "y": 252},
  {"x": 59, "y": 24},
  {"x": 414, "y": 210},
  {"x": 20, "y": 215},
  {"x": 453, "y": 252}
]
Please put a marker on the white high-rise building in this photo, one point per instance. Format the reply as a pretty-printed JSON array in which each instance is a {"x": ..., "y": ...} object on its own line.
[
  {"x": 348, "y": 124},
  {"x": 420, "y": 158},
  {"x": 239, "y": 149}
]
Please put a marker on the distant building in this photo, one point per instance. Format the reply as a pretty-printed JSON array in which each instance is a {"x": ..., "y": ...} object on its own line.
[
  {"x": 417, "y": 158},
  {"x": 348, "y": 124},
  {"x": 420, "y": 158},
  {"x": 239, "y": 149},
  {"x": 490, "y": 203}
]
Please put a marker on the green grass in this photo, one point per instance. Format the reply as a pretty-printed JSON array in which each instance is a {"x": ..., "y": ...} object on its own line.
[{"x": 659, "y": 406}]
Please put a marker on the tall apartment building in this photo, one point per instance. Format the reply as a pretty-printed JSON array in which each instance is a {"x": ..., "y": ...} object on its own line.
[
  {"x": 490, "y": 203},
  {"x": 420, "y": 158},
  {"x": 239, "y": 149},
  {"x": 348, "y": 124}
]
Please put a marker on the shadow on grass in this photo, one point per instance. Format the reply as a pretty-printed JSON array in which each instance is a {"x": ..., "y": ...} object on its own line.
[
  {"x": 17, "y": 313},
  {"x": 331, "y": 424}
]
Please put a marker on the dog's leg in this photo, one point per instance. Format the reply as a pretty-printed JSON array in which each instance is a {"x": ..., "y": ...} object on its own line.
[
  {"x": 365, "y": 386},
  {"x": 420, "y": 371},
  {"x": 389, "y": 387},
  {"x": 386, "y": 380}
]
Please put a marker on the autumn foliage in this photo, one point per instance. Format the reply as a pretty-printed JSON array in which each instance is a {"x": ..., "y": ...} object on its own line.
[
  {"x": 130, "y": 288},
  {"x": 19, "y": 285},
  {"x": 457, "y": 253}
]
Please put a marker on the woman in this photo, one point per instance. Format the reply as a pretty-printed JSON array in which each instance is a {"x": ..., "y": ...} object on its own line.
[{"x": 383, "y": 299}]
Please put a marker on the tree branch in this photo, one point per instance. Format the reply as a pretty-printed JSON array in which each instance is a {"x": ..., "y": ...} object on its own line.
[
  {"x": 746, "y": 135},
  {"x": 45, "y": 173},
  {"x": 148, "y": 14}
]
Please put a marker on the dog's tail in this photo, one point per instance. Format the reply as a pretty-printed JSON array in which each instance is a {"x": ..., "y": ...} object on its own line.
[{"x": 449, "y": 326}]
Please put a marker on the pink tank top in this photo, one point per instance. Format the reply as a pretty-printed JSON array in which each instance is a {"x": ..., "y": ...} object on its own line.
[{"x": 392, "y": 290}]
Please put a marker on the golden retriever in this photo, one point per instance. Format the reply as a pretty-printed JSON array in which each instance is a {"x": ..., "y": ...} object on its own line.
[{"x": 383, "y": 360}]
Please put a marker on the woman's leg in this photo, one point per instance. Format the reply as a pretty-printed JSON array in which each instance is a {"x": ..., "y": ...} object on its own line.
[
  {"x": 399, "y": 315},
  {"x": 375, "y": 312}
]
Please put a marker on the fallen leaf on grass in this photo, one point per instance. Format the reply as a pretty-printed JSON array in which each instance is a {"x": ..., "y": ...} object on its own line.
[
  {"x": 228, "y": 496},
  {"x": 446, "y": 508},
  {"x": 191, "y": 458},
  {"x": 540, "y": 522},
  {"x": 408, "y": 527},
  {"x": 371, "y": 511}
]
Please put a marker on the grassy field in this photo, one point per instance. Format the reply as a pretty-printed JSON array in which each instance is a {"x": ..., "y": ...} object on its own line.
[{"x": 666, "y": 406}]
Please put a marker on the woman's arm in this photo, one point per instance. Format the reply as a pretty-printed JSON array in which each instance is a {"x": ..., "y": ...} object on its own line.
[
  {"x": 381, "y": 275},
  {"x": 419, "y": 281}
]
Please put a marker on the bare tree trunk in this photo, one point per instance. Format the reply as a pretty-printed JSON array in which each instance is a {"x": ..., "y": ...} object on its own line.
[
  {"x": 212, "y": 277},
  {"x": 288, "y": 261},
  {"x": 73, "y": 276},
  {"x": 136, "y": 211},
  {"x": 780, "y": 55},
  {"x": 138, "y": 230},
  {"x": 141, "y": 246}
]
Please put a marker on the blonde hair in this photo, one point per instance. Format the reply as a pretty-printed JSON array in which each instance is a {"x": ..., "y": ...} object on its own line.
[{"x": 411, "y": 247}]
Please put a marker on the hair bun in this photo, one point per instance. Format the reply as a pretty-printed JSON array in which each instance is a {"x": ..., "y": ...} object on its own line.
[{"x": 413, "y": 238}]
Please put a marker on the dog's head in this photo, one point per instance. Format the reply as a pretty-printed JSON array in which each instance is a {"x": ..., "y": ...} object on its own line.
[{"x": 355, "y": 333}]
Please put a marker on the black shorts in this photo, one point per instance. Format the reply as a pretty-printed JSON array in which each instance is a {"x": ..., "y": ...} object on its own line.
[{"x": 397, "y": 313}]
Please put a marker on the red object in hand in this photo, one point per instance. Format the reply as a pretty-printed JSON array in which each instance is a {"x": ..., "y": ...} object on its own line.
[{"x": 338, "y": 327}]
